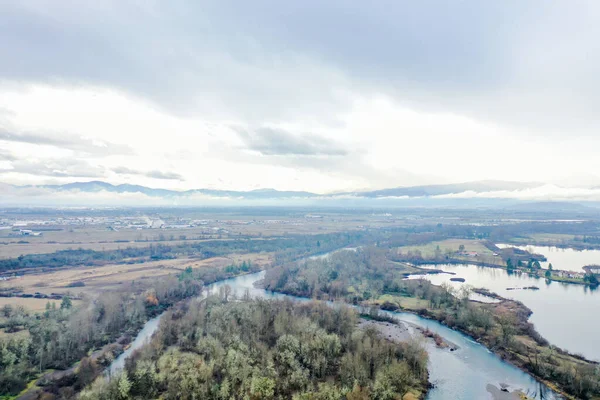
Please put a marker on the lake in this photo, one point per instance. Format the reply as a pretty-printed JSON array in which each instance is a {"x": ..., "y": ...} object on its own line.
[
  {"x": 565, "y": 314},
  {"x": 565, "y": 259}
]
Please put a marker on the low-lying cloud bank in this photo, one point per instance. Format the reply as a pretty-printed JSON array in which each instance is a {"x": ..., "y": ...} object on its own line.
[{"x": 541, "y": 193}]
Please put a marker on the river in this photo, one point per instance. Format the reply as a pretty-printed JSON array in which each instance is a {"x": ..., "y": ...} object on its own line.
[
  {"x": 575, "y": 306},
  {"x": 470, "y": 372}
]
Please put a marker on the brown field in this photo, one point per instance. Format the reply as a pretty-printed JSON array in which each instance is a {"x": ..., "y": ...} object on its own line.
[
  {"x": 99, "y": 237},
  {"x": 14, "y": 249},
  {"x": 30, "y": 304},
  {"x": 99, "y": 279}
]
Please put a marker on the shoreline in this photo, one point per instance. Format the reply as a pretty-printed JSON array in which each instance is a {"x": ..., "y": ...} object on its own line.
[
  {"x": 505, "y": 356},
  {"x": 388, "y": 330}
]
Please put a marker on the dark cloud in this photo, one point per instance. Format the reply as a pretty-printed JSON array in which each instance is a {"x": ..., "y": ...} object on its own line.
[
  {"x": 278, "y": 142},
  {"x": 530, "y": 63},
  {"x": 64, "y": 141},
  {"x": 58, "y": 168},
  {"x": 168, "y": 175}
]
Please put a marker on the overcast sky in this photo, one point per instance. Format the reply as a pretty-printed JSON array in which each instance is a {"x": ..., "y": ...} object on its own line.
[{"x": 299, "y": 95}]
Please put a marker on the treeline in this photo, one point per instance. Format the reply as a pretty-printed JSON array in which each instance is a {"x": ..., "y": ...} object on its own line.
[
  {"x": 362, "y": 277},
  {"x": 259, "y": 349},
  {"x": 59, "y": 337}
]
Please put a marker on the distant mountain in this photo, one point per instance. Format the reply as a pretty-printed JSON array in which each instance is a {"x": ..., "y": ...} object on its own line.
[
  {"x": 98, "y": 186},
  {"x": 436, "y": 190},
  {"x": 411, "y": 191},
  {"x": 480, "y": 194}
]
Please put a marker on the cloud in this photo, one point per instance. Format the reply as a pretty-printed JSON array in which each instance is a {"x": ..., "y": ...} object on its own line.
[
  {"x": 303, "y": 84},
  {"x": 541, "y": 192},
  {"x": 6, "y": 155},
  {"x": 276, "y": 60},
  {"x": 279, "y": 142},
  {"x": 58, "y": 168},
  {"x": 163, "y": 175},
  {"x": 87, "y": 146},
  {"x": 150, "y": 174}
]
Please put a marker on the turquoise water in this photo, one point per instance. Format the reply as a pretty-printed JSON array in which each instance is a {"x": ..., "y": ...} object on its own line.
[{"x": 464, "y": 374}]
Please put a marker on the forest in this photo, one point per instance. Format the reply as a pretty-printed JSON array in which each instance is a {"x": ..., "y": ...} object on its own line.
[
  {"x": 266, "y": 349},
  {"x": 61, "y": 336}
]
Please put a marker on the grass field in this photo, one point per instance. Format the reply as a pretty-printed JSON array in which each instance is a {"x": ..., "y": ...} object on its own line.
[
  {"x": 452, "y": 246},
  {"x": 99, "y": 279},
  {"x": 408, "y": 303},
  {"x": 30, "y": 304},
  {"x": 226, "y": 227},
  {"x": 14, "y": 249},
  {"x": 557, "y": 238}
]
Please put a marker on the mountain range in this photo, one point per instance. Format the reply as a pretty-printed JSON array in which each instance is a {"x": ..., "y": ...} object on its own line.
[
  {"x": 489, "y": 193},
  {"x": 410, "y": 191}
]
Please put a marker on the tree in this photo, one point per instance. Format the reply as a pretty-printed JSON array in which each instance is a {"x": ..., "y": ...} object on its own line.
[
  {"x": 438, "y": 253},
  {"x": 548, "y": 273},
  {"x": 509, "y": 265},
  {"x": 124, "y": 386},
  {"x": 591, "y": 279},
  {"x": 86, "y": 372},
  {"x": 461, "y": 248},
  {"x": 507, "y": 328},
  {"x": 550, "y": 267},
  {"x": 66, "y": 303}
]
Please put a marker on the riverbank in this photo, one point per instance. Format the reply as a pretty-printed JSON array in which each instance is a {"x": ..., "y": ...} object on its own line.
[
  {"x": 523, "y": 350},
  {"x": 402, "y": 331},
  {"x": 103, "y": 358},
  {"x": 515, "y": 342}
]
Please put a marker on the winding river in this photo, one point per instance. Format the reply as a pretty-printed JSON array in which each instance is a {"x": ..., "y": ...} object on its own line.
[{"x": 471, "y": 372}]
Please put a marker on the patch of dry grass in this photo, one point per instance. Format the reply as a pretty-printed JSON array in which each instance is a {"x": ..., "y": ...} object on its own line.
[
  {"x": 100, "y": 278},
  {"x": 34, "y": 305}
]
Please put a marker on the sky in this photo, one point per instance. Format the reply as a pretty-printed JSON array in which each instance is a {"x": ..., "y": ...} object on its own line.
[{"x": 312, "y": 95}]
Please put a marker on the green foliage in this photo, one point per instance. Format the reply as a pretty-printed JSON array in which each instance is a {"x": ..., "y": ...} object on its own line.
[
  {"x": 591, "y": 279},
  {"x": 509, "y": 264},
  {"x": 60, "y": 337},
  {"x": 66, "y": 303}
]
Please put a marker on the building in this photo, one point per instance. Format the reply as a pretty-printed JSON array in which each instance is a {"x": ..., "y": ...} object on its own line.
[
  {"x": 28, "y": 232},
  {"x": 569, "y": 274}
]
